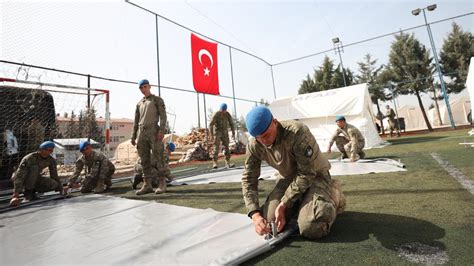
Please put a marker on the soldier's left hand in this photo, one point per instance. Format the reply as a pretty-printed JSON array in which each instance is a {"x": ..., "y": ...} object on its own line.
[
  {"x": 159, "y": 136},
  {"x": 280, "y": 216}
]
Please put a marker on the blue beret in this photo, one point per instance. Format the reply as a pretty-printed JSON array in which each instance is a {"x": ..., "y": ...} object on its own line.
[
  {"x": 171, "y": 146},
  {"x": 83, "y": 145},
  {"x": 143, "y": 82},
  {"x": 47, "y": 145},
  {"x": 258, "y": 120},
  {"x": 340, "y": 117},
  {"x": 223, "y": 107}
]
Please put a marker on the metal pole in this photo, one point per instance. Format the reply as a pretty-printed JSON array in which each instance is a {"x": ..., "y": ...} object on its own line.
[
  {"x": 107, "y": 124},
  {"x": 273, "y": 82},
  {"x": 205, "y": 121},
  {"x": 199, "y": 112},
  {"x": 158, "y": 56},
  {"x": 337, "y": 48},
  {"x": 440, "y": 75},
  {"x": 233, "y": 94},
  {"x": 88, "y": 108}
]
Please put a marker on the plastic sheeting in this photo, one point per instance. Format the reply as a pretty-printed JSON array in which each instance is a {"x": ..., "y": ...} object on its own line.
[
  {"x": 379, "y": 165},
  {"x": 97, "y": 229}
]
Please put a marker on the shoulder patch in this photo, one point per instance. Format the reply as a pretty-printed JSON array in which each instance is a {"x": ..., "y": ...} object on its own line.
[{"x": 308, "y": 152}]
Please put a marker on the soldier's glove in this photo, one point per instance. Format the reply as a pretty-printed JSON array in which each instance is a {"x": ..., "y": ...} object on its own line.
[{"x": 15, "y": 201}]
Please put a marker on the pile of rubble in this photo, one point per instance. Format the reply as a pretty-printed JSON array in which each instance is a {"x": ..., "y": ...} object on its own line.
[{"x": 197, "y": 134}]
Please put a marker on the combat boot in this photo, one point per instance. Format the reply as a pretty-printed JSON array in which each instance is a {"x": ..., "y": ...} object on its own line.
[
  {"x": 228, "y": 164},
  {"x": 146, "y": 188},
  {"x": 154, "y": 183},
  {"x": 99, "y": 188},
  {"x": 362, "y": 154},
  {"x": 162, "y": 186},
  {"x": 108, "y": 183},
  {"x": 214, "y": 165},
  {"x": 137, "y": 179},
  {"x": 30, "y": 194}
]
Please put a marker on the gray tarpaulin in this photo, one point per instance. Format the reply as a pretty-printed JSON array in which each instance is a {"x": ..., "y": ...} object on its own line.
[
  {"x": 379, "y": 165},
  {"x": 98, "y": 229}
]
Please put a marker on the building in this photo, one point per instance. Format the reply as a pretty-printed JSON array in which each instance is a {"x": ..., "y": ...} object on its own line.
[
  {"x": 120, "y": 129},
  {"x": 67, "y": 150}
]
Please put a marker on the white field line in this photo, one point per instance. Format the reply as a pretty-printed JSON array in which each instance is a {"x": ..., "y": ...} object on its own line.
[{"x": 452, "y": 171}]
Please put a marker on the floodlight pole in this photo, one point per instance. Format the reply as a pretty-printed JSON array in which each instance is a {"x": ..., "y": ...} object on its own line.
[
  {"x": 158, "y": 56},
  {"x": 435, "y": 55},
  {"x": 338, "y": 47}
]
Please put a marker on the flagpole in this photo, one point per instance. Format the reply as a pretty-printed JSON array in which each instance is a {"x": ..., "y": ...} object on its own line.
[
  {"x": 199, "y": 112},
  {"x": 273, "y": 82},
  {"x": 158, "y": 56},
  {"x": 205, "y": 121},
  {"x": 233, "y": 96}
]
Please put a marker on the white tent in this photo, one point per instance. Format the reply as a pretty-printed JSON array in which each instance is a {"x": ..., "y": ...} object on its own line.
[
  {"x": 412, "y": 116},
  {"x": 460, "y": 107},
  {"x": 318, "y": 110}
]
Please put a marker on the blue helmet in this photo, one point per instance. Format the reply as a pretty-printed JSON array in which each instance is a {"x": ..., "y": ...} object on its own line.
[
  {"x": 143, "y": 82},
  {"x": 223, "y": 107},
  {"x": 340, "y": 117},
  {"x": 171, "y": 146},
  {"x": 47, "y": 145},
  {"x": 83, "y": 145},
  {"x": 258, "y": 120}
]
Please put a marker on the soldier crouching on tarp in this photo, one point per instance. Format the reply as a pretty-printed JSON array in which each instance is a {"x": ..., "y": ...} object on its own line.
[
  {"x": 348, "y": 140},
  {"x": 99, "y": 170},
  {"x": 28, "y": 178},
  {"x": 304, "y": 188},
  {"x": 138, "y": 178}
]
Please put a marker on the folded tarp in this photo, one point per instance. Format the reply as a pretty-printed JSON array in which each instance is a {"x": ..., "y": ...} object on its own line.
[
  {"x": 369, "y": 166},
  {"x": 97, "y": 229}
]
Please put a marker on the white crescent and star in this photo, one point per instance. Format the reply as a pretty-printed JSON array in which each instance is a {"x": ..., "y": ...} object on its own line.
[{"x": 206, "y": 53}]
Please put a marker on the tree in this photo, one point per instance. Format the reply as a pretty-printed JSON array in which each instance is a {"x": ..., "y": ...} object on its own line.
[
  {"x": 326, "y": 77},
  {"x": 369, "y": 74},
  {"x": 410, "y": 65},
  {"x": 92, "y": 127},
  {"x": 71, "y": 129},
  {"x": 455, "y": 55}
]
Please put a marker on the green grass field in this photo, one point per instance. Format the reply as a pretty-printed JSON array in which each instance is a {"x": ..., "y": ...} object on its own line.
[{"x": 385, "y": 211}]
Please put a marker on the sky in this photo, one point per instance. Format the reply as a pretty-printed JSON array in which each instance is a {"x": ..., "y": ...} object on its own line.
[{"x": 117, "y": 40}]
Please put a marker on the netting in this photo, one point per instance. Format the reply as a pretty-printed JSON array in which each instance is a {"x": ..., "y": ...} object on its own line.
[{"x": 32, "y": 112}]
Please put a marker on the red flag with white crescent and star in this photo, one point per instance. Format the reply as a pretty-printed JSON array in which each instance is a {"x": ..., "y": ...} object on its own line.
[{"x": 204, "y": 59}]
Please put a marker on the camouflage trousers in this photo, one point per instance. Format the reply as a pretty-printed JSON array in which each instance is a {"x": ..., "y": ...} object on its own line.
[
  {"x": 35, "y": 181},
  {"x": 392, "y": 127},
  {"x": 316, "y": 210},
  {"x": 148, "y": 146},
  {"x": 89, "y": 183},
  {"x": 345, "y": 146},
  {"x": 224, "y": 138}
]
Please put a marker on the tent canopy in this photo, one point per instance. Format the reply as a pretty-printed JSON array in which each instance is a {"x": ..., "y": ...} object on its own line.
[{"x": 318, "y": 110}]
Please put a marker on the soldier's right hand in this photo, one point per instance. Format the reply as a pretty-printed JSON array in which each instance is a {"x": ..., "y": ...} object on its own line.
[
  {"x": 133, "y": 142},
  {"x": 261, "y": 225},
  {"x": 15, "y": 201}
]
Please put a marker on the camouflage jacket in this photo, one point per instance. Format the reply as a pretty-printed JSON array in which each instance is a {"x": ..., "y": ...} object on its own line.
[
  {"x": 97, "y": 165},
  {"x": 31, "y": 160},
  {"x": 220, "y": 122},
  {"x": 390, "y": 115},
  {"x": 148, "y": 112},
  {"x": 295, "y": 154}
]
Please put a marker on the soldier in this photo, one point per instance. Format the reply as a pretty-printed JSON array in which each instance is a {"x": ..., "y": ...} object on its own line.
[
  {"x": 28, "y": 178},
  {"x": 170, "y": 147},
  {"x": 99, "y": 170},
  {"x": 304, "y": 187},
  {"x": 390, "y": 114},
  {"x": 196, "y": 153},
  {"x": 220, "y": 122},
  {"x": 148, "y": 136},
  {"x": 351, "y": 141}
]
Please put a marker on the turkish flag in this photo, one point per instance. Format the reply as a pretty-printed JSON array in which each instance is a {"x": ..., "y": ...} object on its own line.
[{"x": 204, "y": 58}]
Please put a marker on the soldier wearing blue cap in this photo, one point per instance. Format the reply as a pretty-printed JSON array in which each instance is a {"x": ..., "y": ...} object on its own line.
[
  {"x": 348, "y": 140},
  {"x": 99, "y": 170},
  {"x": 28, "y": 178},
  {"x": 148, "y": 136},
  {"x": 304, "y": 186},
  {"x": 220, "y": 123}
]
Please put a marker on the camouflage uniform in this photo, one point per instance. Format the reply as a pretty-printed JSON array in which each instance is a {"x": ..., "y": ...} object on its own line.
[
  {"x": 148, "y": 112},
  {"x": 303, "y": 184},
  {"x": 28, "y": 176},
  {"x": 98, "y": 167},
  {"x": 220, "y": 122},
  {"x": 154, "y": 170},
  {"x": 351, "y": 141},
  {"x": 391, "y": 121}
]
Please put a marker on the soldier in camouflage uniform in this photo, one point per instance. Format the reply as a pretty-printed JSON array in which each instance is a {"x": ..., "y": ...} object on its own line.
[
  {"x": 169, "y": 147},
  {"x": 220, "y": 122},
  {"x": 304, "y": 187},
  {"x": 391, "y": 120},
  {"x": 99, "y": 170},
  {"x": 348, "y": 140},
  {"x": 149, "y": 136},
  {"x": 28, "y": 178}
]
